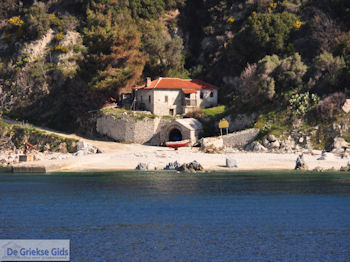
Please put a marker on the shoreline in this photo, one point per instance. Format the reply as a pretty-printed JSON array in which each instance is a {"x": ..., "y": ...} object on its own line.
[{"x": 127, "y": 157}]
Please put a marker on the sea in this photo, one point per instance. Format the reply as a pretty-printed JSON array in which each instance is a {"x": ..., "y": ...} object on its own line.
[{"x": 169, "y": 216}]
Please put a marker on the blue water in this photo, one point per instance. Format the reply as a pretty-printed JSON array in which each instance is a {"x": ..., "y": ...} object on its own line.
[{"x": 129, "y": 216}]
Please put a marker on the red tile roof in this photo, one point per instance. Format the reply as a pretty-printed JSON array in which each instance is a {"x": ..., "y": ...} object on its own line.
[{"x": 187, "y": 85}]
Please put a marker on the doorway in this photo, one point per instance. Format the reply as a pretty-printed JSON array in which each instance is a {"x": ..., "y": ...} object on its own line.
[{"x": 175, "y": 135}]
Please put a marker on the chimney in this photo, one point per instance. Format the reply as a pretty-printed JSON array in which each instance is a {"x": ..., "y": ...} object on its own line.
[{"x": 148, "y": 82}]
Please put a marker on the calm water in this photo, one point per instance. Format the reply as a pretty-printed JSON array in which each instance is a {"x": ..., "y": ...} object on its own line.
[{"x": 128, "y": 216}]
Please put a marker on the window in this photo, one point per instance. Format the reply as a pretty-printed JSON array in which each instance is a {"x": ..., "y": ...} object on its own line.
[
  {"x": 149, "y": 99},
  {"x": 166, "y": 99},
  {"x": 188, "y": 95},
  {"x": 201, "y": 95},
  {"x": 171, "y": 112},
  {"x": 211, "y": 94}
]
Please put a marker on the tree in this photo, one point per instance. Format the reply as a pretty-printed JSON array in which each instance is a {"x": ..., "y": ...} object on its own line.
[
  {"x": 115, "y": 60},
  {"x": 270, "y": 76},
  {"x": 327, "y": 73},
  {"x": 165, "y": 54}
]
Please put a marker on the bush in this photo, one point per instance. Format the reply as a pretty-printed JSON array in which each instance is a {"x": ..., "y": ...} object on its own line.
[
  {"x": 328, "y": 107},
  {"x": 36, "y": 22},
  {"x": 300, "y": 104},
  {"x": 59, "y": 37},
  {"x": 62, "y": 49},
  {"x": 16, "y": 21}
]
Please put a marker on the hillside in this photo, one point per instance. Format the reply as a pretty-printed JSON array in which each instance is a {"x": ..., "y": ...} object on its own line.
[{"x": 275, "y": 59}]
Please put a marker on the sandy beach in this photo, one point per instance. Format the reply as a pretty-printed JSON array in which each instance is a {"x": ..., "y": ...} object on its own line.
[{"x": 118, "y": 156}]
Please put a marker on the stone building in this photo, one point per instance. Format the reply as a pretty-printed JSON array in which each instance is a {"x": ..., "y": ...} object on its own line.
[
  {"x": 172, "y": 96},
  {"x": 181, "y": 129},
  {"x": 150, "y": 131}
]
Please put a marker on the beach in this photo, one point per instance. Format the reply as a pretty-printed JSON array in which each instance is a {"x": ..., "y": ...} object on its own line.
[{"x": 117, "y": 156}]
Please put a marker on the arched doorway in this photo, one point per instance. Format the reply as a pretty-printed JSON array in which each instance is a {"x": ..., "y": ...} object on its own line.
[{"x": 175, "y": 135}]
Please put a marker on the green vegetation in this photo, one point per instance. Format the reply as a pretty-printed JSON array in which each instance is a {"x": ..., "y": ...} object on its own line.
[
  {"x": 121, "y": 113},
  {"x": 19, "y": 135},
  {"x": 214, "y": 112},
  {"x": 289, "y": 61}
]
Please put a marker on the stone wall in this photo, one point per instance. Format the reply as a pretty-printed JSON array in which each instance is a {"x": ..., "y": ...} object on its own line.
[
  {"x": 128, "y": 130},
  {"x": 241, "y": 138}
]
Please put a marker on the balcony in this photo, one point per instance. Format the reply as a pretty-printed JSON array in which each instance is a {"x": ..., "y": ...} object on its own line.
[{"x": 190, "y": 102}]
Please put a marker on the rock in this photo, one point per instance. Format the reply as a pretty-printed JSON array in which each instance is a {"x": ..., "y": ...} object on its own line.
[
  {"x": 142, "y": 166},
  {"x": 62, "y": 148},
  {"x": 81, "y": 153},
  {"x": 316, "y": 152},
  {"x": 300, "y": 163},
  {"x": 212, "y": 144},
  {"x": 346, "y": 106},
  {"x": 183, "y": 168},
  {"x": 340, "y": 145},
  {"x": 346, "y": 168},
  {"x": 255, "y": 147},
  {"x": 265, "y": 142},
  {"x": 83, "y": 146},
  {"x": 274, "y": 145},
  {"x": 172, "y": 166},
  {"x": 231, "y": 162},
  {"x": 47, "y": 147},
  {"x": 191, "y": 167},
  {"x": 195, "y": 165},
  {"x": 271, "y": 138}
]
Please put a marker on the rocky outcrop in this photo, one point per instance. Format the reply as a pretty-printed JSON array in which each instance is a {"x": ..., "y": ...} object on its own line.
[
  {"x": 212, "y": 144},
  {"x": 142, "y": 167},
  {"x": 255, "y": 147},
  {"x": 340, "y": 146},
  {"x": 172, "y": 166},
  {"x": 84, "y": 148},
  {"x": 191, "y": 167}
]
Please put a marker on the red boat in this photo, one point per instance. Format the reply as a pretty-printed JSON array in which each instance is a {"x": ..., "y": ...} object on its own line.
[{"x": 177, "y": 144}]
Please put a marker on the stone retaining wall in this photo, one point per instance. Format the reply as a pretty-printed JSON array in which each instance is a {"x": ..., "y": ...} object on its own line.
[
  {"x": 144, "y": 131},
  {"x": 241, "y": 138}
]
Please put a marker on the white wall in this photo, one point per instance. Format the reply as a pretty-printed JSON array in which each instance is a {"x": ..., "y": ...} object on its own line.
[
  {"x": 207, "y": 101},
  {"x": 161, "y": 107},
  {"x": 142, "y": 96},
  {"x": 158, "y": 106}
]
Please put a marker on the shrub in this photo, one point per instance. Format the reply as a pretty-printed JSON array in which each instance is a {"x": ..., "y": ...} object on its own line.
[
  {"x": 59, "y": 37},
  {"x": 300, "y": 104},
  {"x": 62, "y": 49},
  {"x": 36, "y": 22},
  {"x": 328, "y": 107},
  {"x": 16, "y": 21}
]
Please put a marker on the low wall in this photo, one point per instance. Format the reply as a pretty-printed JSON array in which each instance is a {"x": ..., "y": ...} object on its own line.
[
  {"x": 144, "y": 131},
  {"x": 241, "y": 138}
]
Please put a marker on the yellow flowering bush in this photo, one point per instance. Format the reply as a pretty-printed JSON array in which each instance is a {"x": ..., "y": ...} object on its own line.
[
  {"x": 230, "y": 20},
  {"x": 59, "y": 36},
  {"x": 297, "y": 24},
  {"x": 62, "y": 49},
  {"x": 16, "y": 21}
]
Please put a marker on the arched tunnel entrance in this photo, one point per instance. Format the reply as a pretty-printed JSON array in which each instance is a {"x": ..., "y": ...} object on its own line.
[{"x": 175, "y": 135}]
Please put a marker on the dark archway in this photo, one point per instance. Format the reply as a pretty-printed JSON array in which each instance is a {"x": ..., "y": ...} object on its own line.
[{"x": 175, "y": 135}]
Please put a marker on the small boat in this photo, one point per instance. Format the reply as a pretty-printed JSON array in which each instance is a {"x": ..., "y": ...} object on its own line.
[{"x": 177, "y": 144}]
